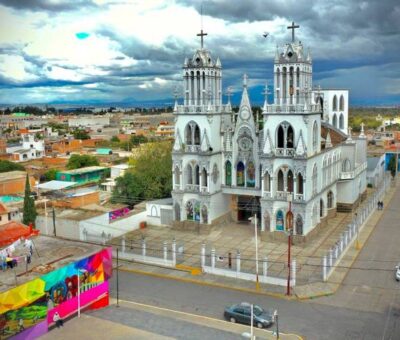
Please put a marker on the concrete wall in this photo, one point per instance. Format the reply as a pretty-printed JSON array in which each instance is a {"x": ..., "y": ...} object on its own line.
[
  {"x": 64, "y": 227},
  {"x": 15, "y": 186}
]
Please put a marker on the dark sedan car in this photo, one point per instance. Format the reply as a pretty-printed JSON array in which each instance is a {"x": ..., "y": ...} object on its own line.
[{"x": 242, "y": 313}]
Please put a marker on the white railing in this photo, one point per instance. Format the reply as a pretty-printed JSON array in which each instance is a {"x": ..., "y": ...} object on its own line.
[
  {"x": 177, "y": 187},
  {"x": 282, "y": 195},
  {"x": 192, "y": 187},
  {"x": 267, "y": 194},
  {"x": 203, "y": 108},
  {"x": 192, "y": 148},
  {"x": 347, "y": 175},
  {"x": 299, "y": 197},
  {"x": 284, "y": 152},
  {"x": 288, "y": 108},
  {"x": 204, "y": 189}
]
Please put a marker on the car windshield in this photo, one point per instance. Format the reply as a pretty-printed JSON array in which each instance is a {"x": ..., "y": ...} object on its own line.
[{"x": 257, "y": 310}]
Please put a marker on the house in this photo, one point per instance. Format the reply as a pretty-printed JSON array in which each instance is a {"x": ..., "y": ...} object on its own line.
[
  {"x": 116, "y": 171},
  {"x": 30, "y": 148},
  {"x": 13, "y": 182},
  {"x": 86, "y": 175},
  {"x": 375, "y": 170}
]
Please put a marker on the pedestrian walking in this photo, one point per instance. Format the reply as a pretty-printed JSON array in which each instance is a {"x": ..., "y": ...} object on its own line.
[{"x": 57, "y": 319}]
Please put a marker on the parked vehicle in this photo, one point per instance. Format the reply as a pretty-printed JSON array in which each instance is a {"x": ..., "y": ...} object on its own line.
[
  {"x": 242, "y": 313},
  {"x": 397, "y": 275}
]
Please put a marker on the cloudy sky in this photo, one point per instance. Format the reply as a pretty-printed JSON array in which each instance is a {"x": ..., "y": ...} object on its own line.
[{"x": 116, "y": 51}]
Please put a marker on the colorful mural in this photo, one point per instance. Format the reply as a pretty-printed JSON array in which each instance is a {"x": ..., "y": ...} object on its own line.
[
  {"x": 33, "y": 302},
  {"x": 113, "y": 215}
]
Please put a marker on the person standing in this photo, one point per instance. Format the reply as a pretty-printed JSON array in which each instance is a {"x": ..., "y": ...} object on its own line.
[{"x": 57, "y": 319}]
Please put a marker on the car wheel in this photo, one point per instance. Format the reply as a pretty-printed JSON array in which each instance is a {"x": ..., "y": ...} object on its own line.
[
  {"x": 233, "y": 320},
  {"x": 259, "y": 325}
]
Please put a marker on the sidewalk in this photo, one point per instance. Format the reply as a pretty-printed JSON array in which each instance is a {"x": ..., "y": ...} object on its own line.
[{"x": 228, "y": 238}]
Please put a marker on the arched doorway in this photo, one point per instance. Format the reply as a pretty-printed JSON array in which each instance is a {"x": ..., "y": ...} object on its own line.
[
  {"x": 240, "y": 174},
  {"x": 330, "y": 199},
  {"x": 267, "y": 221},
  {"x": 177, "y": 212},
  {"x": 279, "y": 221},
  {"x": 289, "y": 220},
  {"x": 299, "y": 225}
]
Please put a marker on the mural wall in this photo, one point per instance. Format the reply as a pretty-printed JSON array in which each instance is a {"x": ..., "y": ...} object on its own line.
[{"x": 33, "y": 304}]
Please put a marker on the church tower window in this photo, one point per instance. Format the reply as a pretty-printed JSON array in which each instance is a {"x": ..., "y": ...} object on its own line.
[
  {"x": 289, "y": 137},
  {"x": 188, "y": 134},
  {"x": 330, "y": 199},
  {"x": 204, "y": 178},
  {"x": 314, "y": 180},
  {"x": 197, "y": 175},
  {"x": 196, "y": 135},
  {"x": 334, "y": 120},
  {"x": 279, "y": 220},
  {"x": 341, "y": 103},
  {"x": 177, "y": 175},
  {"x": 192, "y": 87},
  {"x": 341, "y": 121},
  {"x": 281, "y": 181},
  {"x": 334, "y": 103},
  {"x": 300, "y": 183},
  {"x": 251, "y": 175},
  {"x": 240, "y": 174},
  {"x": 346, "y": 165},
  {"x": 290, "y": 181},
  {"x": 284, "y": 85},
  {"x": 189, "y": 174},
  {"x": 267, "y": 182},
  {"x": 281, "y": 137},
  {"x": 228, "y": 173}
]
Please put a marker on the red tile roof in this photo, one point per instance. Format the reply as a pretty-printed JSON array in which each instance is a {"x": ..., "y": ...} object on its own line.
[{"x": 14, "y": 230}]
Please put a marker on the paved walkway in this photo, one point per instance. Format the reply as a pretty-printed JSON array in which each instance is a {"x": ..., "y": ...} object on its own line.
[{"x": 230, "y": 238}]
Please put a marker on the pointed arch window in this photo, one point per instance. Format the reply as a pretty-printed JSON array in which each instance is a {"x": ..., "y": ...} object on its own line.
[
  {"x": 315, "y": 136},
  {"x": 281, "y": 181},
  {"x": 330, "y": 200},
  {"x": 197, "y": 175},
  {"x": 314, "y": 180},
  {"x": 196, "y": 135},
  {"x": 334, "y": 120},
  {"x": 189, "y": 174},
  {"x": 341, "y": 103},
  {"x": 290, "y": 181},
  {"x": 251, "y": 175},
  {"x": 346, "y": 165},
  {"x": 281, "y": 137},
  {"x": 280, "y": 224},
  {"x": 300, "y": 183},
  {"x": 289, "y": 137},
  {"x": 334, "y": 103},
  {"x": 267, "y": 182},
  {"x": 228, "y": 173},
  {"x": 204, "y": 178},
  {"x": 177, "y": 175},
  {"x": 341, "y": 121},
  {"x": 188, "y": 134},
  {"x": 240, "y": 174}
]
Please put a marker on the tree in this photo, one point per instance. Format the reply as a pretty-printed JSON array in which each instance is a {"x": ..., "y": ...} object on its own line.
[
  {"x": 50, "y": 175},
  {"x": 81, "y": 134},
  {"x": 81, "y": 161},
  {"x": 29, "y": 210},
  {"x": 150, "y": 176},
  {"x": 392, "y": 166},
  {"x": 6, "y": 166},
  {"x": 115, "y": 139}
]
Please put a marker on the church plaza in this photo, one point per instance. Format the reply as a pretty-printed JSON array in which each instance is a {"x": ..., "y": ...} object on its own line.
[{"x": 231, "y": 237}]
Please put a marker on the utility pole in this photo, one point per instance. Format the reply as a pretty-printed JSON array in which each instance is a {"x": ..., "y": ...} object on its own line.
[
  {"x": 54, "y": 223},
  {"x": 117, "y": 278}
]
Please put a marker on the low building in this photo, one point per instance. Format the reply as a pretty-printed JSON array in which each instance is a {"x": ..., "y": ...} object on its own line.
[
  {"x": 13, "y": 182},
  {"x": 30, "y": 148},
  {"x": 116, "y": 171},
  {"x": 94, "y": 122},
  {"x": 375, "y": 170},
  {"x": 86, "y": 175},
  {"x": 66, "y": 278}
]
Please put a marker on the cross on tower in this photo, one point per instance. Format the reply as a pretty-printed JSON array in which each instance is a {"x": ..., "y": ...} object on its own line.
[
  {"x": 229, "y": 94},
  {"x": 201, "y": 35},
  {"x": 266, "y": 92},
  {"x": 293, "y": 27}
]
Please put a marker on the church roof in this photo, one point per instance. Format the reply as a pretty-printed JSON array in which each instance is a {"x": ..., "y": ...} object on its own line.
[
  {"x": 336, "y": 136},
  {"x": 202, "y": 58}
]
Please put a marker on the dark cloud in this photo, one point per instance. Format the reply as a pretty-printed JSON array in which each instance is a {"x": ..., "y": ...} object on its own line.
[{"x": 48, "y": 5}]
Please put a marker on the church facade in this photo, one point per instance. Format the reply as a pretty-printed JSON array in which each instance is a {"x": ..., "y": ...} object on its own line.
[{"x": 293, "y": 165}]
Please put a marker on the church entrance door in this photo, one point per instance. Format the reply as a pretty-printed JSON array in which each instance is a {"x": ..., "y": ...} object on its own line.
[{"x": 247, "y": 207}]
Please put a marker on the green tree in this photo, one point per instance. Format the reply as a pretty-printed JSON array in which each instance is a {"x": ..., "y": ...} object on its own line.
[
  {"x": 115, "y": 139},
  {"x": 80, "y": 134},
  {"x": 150, "y": 176},
  {"x": 29, "y": 210},
  {"x": 50, "y": 175},
  {"x": 392, "y": 166},
  {"x": 81, "y": 161},
  {"x": 6, "y": 166}
]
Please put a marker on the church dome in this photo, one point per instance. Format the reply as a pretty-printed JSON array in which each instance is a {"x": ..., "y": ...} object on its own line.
[{"x": 202, "y": 58}]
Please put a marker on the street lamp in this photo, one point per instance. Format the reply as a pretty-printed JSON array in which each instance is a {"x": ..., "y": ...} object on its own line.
[
  {"x": 289, "y": 224},
  {"x": 79, "y": 291},
  {"x": 256, "y": 240}
]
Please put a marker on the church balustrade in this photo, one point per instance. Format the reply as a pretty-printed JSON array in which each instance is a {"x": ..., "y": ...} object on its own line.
[
  {"x": 203, "y": 108},
  {"x": 204, "y": 189},
  {"x": 287, "y": 108},
  {"x": 192, "y": 187},
  {"x": 192, "y": 148},
  {"x": 299, "y": 197},
  {"x": 347, "y": 175},
  {"x": 282, "y": 195},
  {"x": 177, "y": 187},
  {"x": 284, "y": 152},
  {"x": 267, "y": 194}
]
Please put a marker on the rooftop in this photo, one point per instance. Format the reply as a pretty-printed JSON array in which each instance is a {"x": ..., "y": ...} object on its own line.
[
  {"x": 84, "y": 170},
  {"x": 10, "y": 175},
  {"x": 49, "y": 254}
]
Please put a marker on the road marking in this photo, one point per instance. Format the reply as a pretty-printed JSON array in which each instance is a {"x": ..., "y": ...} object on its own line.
[{"x": 205, "y": 320}]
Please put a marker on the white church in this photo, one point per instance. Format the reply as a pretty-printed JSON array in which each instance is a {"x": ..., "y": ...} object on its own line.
[{"x": 293, "y": 165}]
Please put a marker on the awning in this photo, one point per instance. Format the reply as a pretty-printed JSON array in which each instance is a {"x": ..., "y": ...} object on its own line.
[{"x": 55, "y": 185}]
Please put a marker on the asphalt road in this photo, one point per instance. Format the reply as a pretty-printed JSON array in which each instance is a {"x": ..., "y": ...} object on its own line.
[{"x": 367, "y": 306}]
